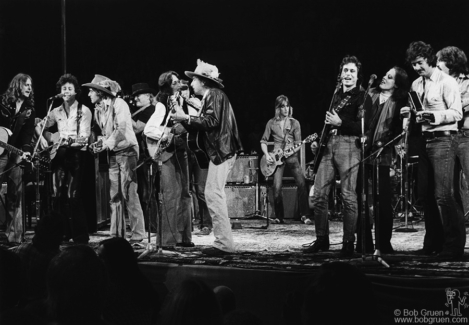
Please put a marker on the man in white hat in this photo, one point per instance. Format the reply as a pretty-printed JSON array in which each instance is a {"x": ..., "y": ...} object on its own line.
[
  {"x": 113, "y": 119},
  {"x": 217, "y": 125}
]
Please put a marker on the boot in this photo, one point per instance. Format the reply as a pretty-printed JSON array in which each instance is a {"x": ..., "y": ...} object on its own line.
[
  {"x": 347, "y": 250},
  {"x": 321, "y": 244}
]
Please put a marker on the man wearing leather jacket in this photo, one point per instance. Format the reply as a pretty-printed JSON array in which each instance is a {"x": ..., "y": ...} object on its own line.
[{"x": 217, "y": 124}]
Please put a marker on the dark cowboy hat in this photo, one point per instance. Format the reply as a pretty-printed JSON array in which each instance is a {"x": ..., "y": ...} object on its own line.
[
  {"x": 142, "y": 88},
  {"x": 207, "y": 71},
  {"x": 104, "y": 84}
]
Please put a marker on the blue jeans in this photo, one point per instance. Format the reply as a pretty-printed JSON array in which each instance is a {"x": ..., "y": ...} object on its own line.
[
  {"x": 302, "y": 193},
  {"x": 123, "y": 187},
  {"x": 461, "y": 180},
  {"x": 15, "y": 193},
  {"x": 199, "y": 178},
  {"x": 341, "y": 154},
  {"x": 444, "y": 222},
  {"x": 176, "y": 223}
]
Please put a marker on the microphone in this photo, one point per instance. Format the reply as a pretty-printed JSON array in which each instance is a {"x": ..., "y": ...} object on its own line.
[
  {"x": 372, "y": 80},
  {"x": 57, "y": 96}
]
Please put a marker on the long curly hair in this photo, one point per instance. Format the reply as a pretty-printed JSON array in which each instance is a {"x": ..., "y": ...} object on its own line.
[
  {"x": 455, "y": 60},
  {"x": 402, "y": 84},
  {"x": 14, "y": 93}
]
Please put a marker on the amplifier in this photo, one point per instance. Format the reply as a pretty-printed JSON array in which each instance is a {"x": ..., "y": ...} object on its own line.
[
  {"x": 290, "y": 202},
  {"x": 244, "y": 166},
  {"x": 241, "y": 200}
]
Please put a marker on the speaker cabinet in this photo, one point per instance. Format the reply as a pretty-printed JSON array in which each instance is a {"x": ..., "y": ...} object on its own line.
[
  {"x": 241, "y": 200},
  {"x": 244, "y": 166},
  {"x": 290, "y": 202}
]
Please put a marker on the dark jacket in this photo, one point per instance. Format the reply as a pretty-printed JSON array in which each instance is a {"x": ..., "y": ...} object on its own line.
[
  {"x": 351, "y": 122},
  {"x": 21, "y": 124},
  {"x": 390, "y": 125},
  {"x": 217, "y": 119}
]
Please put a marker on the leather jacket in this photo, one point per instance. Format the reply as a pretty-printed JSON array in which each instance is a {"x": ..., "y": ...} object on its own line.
[
  {"x": 21, "y": 124},
  {"x": 217, "y": 120}
]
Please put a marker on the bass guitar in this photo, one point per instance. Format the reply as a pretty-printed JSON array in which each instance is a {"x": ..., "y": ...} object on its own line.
[
  {"x": 42, "y": 162},
  {"x": 325, "y": 135},
  {"x": 280, "y": 155}
]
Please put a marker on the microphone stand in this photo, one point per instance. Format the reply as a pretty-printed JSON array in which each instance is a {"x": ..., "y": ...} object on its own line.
[
  {"x": 38, "y": 194},
  {"x": 406, "y": 182},
  {"x": 375, "y": 256}
]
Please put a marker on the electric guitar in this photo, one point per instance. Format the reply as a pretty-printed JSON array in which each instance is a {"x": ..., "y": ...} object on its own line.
[
  {"x": 325, "y": 135},
  {"x": 43, "y": 162},
  {"x": 280, "y": 155}
]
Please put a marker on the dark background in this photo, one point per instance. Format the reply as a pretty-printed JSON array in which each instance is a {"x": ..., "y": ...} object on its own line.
[{"x": 262, "y": 48}]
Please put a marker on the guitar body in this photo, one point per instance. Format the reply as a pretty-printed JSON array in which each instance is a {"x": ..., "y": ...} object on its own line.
[
  {"x": 3, "y": 138},
  {"x": 42, "y": 162},
  {"x": 154, "y": 151},
  {"x": 279, "y": 156},
  {"x": 194, "y": 142},
  {"x": 269, "y": 169},
  {"x": 60, "y": 142}
]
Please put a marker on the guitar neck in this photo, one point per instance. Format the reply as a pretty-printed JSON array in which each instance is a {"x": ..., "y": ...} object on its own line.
[
  {"x": 293, "y": 149},
  {"x": 10, "y": 148}
]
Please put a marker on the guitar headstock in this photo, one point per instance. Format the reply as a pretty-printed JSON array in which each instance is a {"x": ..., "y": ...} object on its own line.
[{"x": 311, "y": 138}]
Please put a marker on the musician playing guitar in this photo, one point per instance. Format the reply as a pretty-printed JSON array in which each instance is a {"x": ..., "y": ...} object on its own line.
[
  {"x": 73, "y": 121},
  {"x": 112, "y": 118},
  {"x": 339, "y": 152},
  {"x": 17, "y": 115},
  {"x": 286, "y": 132},
  {"x": 176, "y": 213}
]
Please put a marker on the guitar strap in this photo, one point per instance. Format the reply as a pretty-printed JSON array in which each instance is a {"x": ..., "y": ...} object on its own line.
[
  {"x": 286, "y": 128},
  {"x": 79, "y": 115}
]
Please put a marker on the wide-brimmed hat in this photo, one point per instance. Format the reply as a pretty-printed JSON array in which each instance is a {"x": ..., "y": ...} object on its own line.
[
  {"x": 142, "y": 88},
  {"x": 104, "y": 84},
  {"x": 207, "y": 71}
]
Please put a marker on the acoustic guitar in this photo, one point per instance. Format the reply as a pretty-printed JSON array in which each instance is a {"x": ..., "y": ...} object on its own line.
[
  {"x": 58, "y": 141},
  {"x": 280, "y": 155},
  {"x": 161, "y": 149},
  {"x": 194, "y": 142},
  {"x": 43, "y": 162}
]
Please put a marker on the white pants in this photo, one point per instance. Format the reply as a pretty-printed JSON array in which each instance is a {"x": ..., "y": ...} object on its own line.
[{"x": 216, "y": 203}]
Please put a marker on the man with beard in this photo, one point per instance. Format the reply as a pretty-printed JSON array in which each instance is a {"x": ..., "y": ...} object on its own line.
[{"x": 17, "y": 117}]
